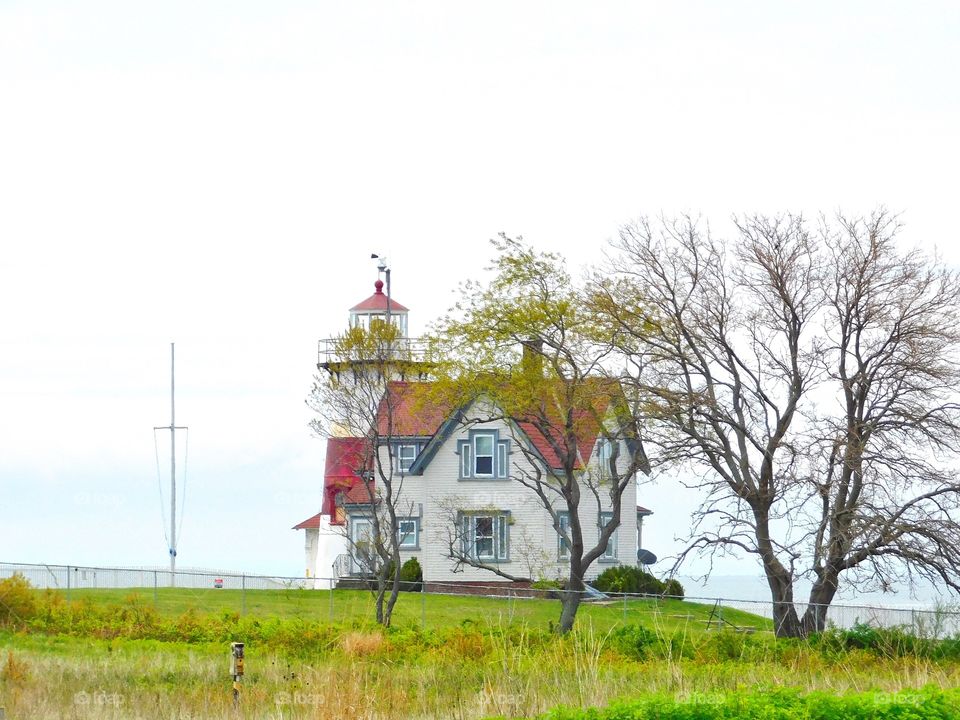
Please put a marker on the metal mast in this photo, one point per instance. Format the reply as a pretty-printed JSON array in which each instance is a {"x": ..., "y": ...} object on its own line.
[{"x": 172, "y": 427}]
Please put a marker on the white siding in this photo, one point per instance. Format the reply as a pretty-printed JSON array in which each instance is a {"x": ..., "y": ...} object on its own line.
[{"x": 533, "y": 541}]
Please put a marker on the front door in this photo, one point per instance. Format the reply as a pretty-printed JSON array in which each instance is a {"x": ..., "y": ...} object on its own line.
[{"x": 362, "y": 554}]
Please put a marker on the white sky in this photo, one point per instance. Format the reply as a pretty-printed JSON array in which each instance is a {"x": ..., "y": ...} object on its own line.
[{"x": 217, "y": 174}]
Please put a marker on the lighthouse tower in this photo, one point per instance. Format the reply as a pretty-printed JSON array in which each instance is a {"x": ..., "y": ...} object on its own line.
[{"x": 399, "y": 357}]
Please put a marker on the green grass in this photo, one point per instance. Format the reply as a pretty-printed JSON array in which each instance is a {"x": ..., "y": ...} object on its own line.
[
  {"x": 120, "y": 654},
  {"x": 430, "y": 611}
]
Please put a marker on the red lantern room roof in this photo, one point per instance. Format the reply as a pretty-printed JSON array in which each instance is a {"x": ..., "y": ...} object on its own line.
[
  {"x": 378, "y": 302},
  {"x": 345, "y": 459}
]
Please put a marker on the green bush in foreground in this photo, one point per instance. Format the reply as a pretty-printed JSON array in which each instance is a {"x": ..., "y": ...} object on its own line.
[
  {"x": 411, "y": 575},
  {"x": 892, "y": 642},
  {"x": 929, "y": 703},
  {"x": 17, "y": 601}
]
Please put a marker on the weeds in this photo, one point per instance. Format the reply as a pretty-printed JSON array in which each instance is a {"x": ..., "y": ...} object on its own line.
[{"x": 174, "y": 665}]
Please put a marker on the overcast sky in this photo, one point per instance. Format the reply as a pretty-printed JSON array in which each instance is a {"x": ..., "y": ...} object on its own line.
[{"x": 217, "y": 174}]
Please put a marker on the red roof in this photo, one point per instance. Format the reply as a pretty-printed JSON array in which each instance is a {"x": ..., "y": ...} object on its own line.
[
  {"x": 586, "y": 428},
  {"x": 310, "y": 523},
  {"x": 378, "y": 301},
  {"x": 412, "y": 413},
  {"x": 345, "y": 457},
  {"x": 358, "y": 495},
  {"x": 590, "y": 404},
  {"x": 641, "y": 510}
]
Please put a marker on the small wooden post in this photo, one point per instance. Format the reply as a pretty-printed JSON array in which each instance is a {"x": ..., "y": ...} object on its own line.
[
  {"x": 236, "y": 669},
  {"x": 423, "y": 605}
]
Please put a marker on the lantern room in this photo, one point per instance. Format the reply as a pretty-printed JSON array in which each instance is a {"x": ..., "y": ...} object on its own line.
[{"x": 379, "y": 307}]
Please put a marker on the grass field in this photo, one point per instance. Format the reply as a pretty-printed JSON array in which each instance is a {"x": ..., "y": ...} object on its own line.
[
  {"x": 117, "y": 654},
  {"x": 428, "y": 611}
]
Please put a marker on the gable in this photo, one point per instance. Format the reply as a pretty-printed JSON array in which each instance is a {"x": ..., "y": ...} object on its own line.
[{"x": 414, "y": 416}]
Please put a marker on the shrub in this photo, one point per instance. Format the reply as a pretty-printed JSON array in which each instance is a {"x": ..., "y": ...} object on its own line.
[
  {"x": 672, "y": 588},
  {"x": 411, "y": 575},
  {"x": 633, "y": 641},
  {"x": 628, "y": 579},
  {"x": 18, "y": 602},
  {"x": 549, "y": 589},
  {"x": 929, "y": 703},
  {"x": 885, "y": 642}
]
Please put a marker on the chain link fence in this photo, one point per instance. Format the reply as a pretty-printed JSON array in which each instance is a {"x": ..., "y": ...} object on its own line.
[{"x": 313, "y": 597}]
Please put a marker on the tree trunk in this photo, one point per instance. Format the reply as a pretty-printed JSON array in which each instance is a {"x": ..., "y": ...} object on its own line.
[
  {"x": 786, "y": 622},
  {"x": 392, "y": 600},
  {"x": 380, "y": 594},
  {"x": 821, "y": 595},
  {"x": 570, "y": 602}
]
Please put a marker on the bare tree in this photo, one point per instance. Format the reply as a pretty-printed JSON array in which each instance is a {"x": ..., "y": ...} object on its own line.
[
  {"x": 354, "y": 401},
  {"x": 806, "y": 377},
  {"x": 886, "y": 487},
  {"x": 525, "y": 351}
]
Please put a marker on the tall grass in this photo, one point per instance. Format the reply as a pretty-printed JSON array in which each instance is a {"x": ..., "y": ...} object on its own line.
[{"x": 129, "y": 659}]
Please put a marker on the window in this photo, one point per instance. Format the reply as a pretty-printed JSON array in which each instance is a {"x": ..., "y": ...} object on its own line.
[
  {"x": 610, "y": 552},
  {"x": 604, "y": 453},
  {"x": 408, "y": 532},
  {"x": 484, "y": 455},
  {"x": 563, "y": 547},
  {"x": 483, "y": 536},
  {"x": 486, "y": 536},
  {"x": 406, "y": 454}
]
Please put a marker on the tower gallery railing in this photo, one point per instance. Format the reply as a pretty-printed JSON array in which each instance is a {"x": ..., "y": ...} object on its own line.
[{"x": 414, "y": 350}]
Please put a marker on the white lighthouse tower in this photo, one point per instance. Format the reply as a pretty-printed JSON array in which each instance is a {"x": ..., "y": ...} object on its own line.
[{"x": 326, "y": 545}]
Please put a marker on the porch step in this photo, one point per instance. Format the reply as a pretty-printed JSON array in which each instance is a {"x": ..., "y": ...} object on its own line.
[{"x": 353, "y": 583}]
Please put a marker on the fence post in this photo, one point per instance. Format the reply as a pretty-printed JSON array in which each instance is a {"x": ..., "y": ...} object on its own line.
[
  {"x": 332, "y": 581},
  {"x": 155, "y": 588},
  {"x": 243, "y": 594},
  {"x": 624, "y": 608},
  {"x": 68, "y": 583},
  {"x": 423, "y": 605}
]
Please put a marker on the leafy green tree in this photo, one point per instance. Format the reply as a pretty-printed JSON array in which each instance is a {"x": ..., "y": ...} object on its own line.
[
  {"x": 525, "y": 349},
  {"x": 352, "y": 401}
]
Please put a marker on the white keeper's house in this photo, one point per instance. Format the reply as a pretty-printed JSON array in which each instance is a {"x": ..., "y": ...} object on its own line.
[{"x": 459, "y": 498}]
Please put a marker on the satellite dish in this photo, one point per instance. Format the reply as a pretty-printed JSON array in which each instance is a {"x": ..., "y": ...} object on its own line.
[{"x": 645, "y": 557}]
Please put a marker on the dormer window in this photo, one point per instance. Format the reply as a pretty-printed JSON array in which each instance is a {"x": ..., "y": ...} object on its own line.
[
  {"x": 404, "y": 454},
  {"x": 604, "y": 454},
  {"x": 484, "y": 456}
]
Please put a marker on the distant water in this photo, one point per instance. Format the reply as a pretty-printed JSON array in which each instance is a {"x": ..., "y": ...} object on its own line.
[{"x": 753, "y": 587}]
